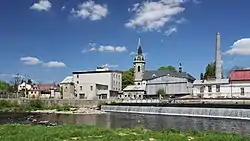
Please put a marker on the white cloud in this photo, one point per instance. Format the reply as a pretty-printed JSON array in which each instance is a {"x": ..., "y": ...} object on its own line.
[
  {"x": 181, "y": 20},
  {"x": 63, "y": 8},
  {"x": 42, "y": 5},
  {"x": 105, "y": 48},
  {"x": 151, "y": 15},
  {"x": 240, "y": 47},
  {"x": 171, "y": 31},
  {"x": 91, "y": 10},
  {"x": 54, "y": 64},
  {"x": 30, "y": 60},
  {"x": 110, "y": 66}
]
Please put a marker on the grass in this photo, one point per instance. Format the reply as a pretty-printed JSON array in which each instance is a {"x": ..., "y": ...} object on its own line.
[
  {"x": 91, "y": 133},
  {"x": 33, "y": 105}
]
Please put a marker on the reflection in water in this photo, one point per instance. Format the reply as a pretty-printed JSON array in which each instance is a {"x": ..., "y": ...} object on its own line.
[
  {"x": 155, "y": 122},
  {"x": 121, "y": 120}
]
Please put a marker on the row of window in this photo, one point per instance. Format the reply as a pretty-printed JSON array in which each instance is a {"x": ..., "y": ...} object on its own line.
[
  {"x": 117, "y": 76},
  {"x": 91, "y": 88},
  {"x": 242, "y": 90}
]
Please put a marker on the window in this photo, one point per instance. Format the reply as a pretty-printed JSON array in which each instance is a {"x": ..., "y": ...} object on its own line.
[
  {"x": 242, "y": 91},
  {"x": 77, "y": 76},
  {"x": 202, "y": 89},
  {"x": 217, "y": 88},
  {"x": 77, "y": 82},
  {"x": 209, "y": 88},
  {"x": 80, "y": 87},
  {"x": 82, "y": 96},
  {"x": 139, "y": 84},
  {"x": 91, "y": 88},
  {"x": 138, "y": 68}
]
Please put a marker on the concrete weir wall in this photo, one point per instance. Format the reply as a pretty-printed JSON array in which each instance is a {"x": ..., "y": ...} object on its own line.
[{"x": 228, "y": 113}]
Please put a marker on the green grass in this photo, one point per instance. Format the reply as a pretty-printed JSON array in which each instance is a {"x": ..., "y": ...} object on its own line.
[
  {"x": 91, "y": 133},
  {"x": 33, "y": 105}
]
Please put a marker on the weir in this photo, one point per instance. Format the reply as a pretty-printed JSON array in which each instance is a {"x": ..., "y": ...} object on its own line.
[{"x": 228, "y": 113}]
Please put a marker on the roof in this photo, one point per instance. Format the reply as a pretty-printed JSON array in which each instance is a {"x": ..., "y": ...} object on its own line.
[
  {"x": 158, "y": 73},
  {"x": 67, "y": 80},
  {"x": 106, "y": 71},
  {"x": 135, "y": 88},
  {"x": 44, "y": 87},
  {"x": 211, "y": 82},
  {"x": 240, "y": 75}
]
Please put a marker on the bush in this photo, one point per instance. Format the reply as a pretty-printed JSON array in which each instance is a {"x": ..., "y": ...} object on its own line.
[{"x": 36, "y": 103}]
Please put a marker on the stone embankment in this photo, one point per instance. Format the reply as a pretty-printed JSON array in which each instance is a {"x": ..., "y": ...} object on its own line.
[{"x": 71, "y": 111}]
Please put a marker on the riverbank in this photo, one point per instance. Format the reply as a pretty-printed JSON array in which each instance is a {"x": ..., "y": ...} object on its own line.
[
  {"x": 35, "y": 106},
  {"x": 85, "y": 110},
  {"x": 90, "y": 133}
]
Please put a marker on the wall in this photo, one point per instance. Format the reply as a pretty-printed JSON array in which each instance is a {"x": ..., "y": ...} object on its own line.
[
  {"x": 68, "y": 90},
  {"x": 171, "y": 85}
]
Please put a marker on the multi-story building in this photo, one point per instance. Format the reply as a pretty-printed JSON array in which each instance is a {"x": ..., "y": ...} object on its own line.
[
  {"x": 99, "y": 84},
  {"x": 67, "y": 88}
]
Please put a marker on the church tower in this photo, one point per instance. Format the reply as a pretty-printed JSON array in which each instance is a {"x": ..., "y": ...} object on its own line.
[{"x": 139, "y": 65}]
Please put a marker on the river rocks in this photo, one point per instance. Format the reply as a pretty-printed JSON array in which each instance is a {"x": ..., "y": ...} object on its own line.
[{"x": 72, "y": 111}]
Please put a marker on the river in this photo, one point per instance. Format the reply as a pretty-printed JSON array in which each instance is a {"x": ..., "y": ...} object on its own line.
[{"x": 125, "y": 120}]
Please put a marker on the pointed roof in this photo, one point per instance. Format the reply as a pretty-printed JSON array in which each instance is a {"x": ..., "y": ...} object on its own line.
[{"x": 139, "y": 49}]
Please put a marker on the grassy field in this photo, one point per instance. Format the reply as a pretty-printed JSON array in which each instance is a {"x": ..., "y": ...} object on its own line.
[{"x": 89, "y": 133}]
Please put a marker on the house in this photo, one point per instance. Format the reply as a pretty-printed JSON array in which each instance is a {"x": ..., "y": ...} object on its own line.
[
  {"x": 67, "y": 88},
  {"x": 148, "y": 82},
  {"x": 101, "y": 83},
  {"x": 24, "y": 86},
  {"x": 44, "y": 91}
]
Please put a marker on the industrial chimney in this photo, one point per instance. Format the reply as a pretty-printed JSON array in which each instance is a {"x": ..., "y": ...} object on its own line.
[{"x": 218, "y": 68}]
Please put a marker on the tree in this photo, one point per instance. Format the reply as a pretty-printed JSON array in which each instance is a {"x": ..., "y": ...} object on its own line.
[
  {"x": 161, "y": 93},
  {"x": 168, "y": 68},
  {"x": 127, "y": 78},
  {"x": 4, "y": 86},
  {"x": 29, "y": 81},
  {"x": 210, "y": 71}
]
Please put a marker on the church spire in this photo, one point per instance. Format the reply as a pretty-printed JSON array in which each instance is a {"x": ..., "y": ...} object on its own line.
[{"x": 139, "y": 49}]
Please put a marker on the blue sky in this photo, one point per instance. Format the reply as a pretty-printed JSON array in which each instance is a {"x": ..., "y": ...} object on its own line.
[{"x": 48, "y": 39}]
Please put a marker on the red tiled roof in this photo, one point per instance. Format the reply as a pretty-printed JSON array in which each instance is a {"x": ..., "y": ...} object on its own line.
[
  {"x": 44, "y": 87},
  {"x": 240, "y": 75}
]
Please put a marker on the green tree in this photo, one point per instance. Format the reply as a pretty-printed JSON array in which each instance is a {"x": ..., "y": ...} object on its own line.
[
  {"x": 210, "y": 71},
  {"x": 127, "y": 78},
  {"x": 29, "y": 81},
  {"x": 168, "y": 68},
  {"x": 161, "y": 93},
  {"x": 4, "y": 86}
]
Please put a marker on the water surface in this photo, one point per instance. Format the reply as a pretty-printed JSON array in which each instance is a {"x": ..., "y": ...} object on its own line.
[{"x": 125, "y": 120}]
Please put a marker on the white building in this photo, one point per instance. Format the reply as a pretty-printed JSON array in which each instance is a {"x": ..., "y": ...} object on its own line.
[
  {"x": 148, "y": 82},
  {"x": 99, "y": 84},
  {"x": 67, "y": 88},
  {"x": 24, "y": 86},
  {"x": 237, "y": 86}
]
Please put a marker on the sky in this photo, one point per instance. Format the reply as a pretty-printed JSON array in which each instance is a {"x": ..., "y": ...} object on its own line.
[{"x": 46, "y": 40}]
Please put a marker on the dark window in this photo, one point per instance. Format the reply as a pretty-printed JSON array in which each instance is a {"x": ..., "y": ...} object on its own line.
[
  {"x": 91, "y": 88},
  {"x": 217, "y": 88},
  {"x": 139, "y": 68},
  {"x": 202, "y": 89},
  {"x": 80, "y": 87},
  {"x": 77, "y": 76},
  {"x": 82, "y": 96},
  {"x": 77, "y": 82},
  {"x": 209, "y": 88},
  {"x": 242, "y": 91}
]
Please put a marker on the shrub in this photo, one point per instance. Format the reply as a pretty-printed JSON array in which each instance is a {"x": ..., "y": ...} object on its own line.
[{"x": 36, "y": 103}]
